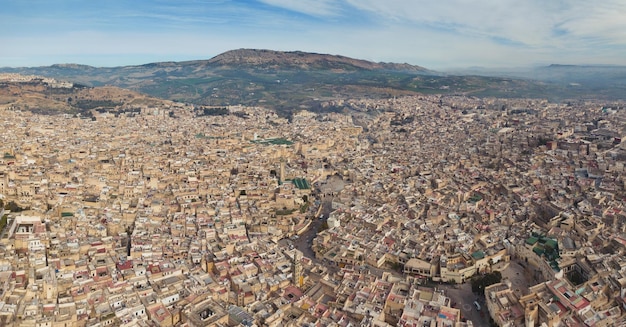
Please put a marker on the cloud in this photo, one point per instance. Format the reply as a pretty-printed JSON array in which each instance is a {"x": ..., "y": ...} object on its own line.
[
  {"x": 531, "y": 22},
  {"x": 602, "y": 22},
  {"x": 316, "y": 8},
  {"x": 453, "y": 33}
]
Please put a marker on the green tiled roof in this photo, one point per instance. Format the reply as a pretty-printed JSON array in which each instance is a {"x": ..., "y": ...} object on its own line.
[
  {"x": 478, "y": 255},
  {"x": 531, "y": 240},
  {"x": 301, "y": 183},
  {"x": 551, "y": 243}
]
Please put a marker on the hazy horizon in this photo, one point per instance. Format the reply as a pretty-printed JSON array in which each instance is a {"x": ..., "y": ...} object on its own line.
[
  {"x": 451, "y": 69},
  {"x": 440, "y": 36}
]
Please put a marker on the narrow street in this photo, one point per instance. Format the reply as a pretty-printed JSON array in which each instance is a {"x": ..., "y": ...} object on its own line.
[
  {"x": 324, "y": 194},
  {"x": 304, "y": 242}
]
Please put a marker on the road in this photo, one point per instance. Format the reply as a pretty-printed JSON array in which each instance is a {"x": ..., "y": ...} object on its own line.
[
  {"x": 463, "y": 298},
  {"x": 304, "y": 242},
  {"x": 324, "y": 193}
]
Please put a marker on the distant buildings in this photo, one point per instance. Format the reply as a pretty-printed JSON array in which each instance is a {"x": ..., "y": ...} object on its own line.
[{"x": 152, "y": 220}]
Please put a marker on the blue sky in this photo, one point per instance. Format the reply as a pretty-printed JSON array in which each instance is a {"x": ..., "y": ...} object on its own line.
[{"x": 441, "y": 34}]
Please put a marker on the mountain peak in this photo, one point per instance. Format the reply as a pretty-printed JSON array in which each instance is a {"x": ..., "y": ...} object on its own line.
[{"x": 271, "y": 59}]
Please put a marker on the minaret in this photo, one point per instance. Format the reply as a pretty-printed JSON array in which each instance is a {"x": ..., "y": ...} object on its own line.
[
  {"x": 282, "y": 169},
  {"x": 296, "y": 267}
]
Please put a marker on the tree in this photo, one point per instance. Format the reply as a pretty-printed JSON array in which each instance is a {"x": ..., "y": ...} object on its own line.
[
  {"x": 396, "y": 266},
  {"x": 3, "y": 222},
  {"x": 14, "y": 207},
  {"x": 480, "y": 283}
]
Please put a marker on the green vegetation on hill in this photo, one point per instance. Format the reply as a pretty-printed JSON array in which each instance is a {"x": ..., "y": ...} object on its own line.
[
  {"x": 287, "y": 81},
  {"x": 93, "y": 104}
]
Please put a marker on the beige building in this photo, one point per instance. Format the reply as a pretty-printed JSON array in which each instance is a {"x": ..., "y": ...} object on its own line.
[
  {"x": 457, "y": 268},
  {"x": 420, "y": 267}
]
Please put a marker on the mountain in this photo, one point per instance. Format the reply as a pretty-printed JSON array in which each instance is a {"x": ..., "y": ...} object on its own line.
[
  {"x": 266, "y": 61},
  {"x": 273, "y": 60},
  {"x": 574, "y": 81},
  {"x": 285, "y": 81},
  {"x": 597, "y": 76}
]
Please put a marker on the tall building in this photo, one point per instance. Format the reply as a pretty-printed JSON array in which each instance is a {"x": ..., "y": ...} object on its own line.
[
  {"x": 282, "y": 170},
  {"x": 296, "y": 266}
]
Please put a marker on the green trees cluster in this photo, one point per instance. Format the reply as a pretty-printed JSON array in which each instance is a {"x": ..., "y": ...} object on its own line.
[
  {"x": 86, "y": 104},
  {"x": 203, "y": 111},
  {"x": 304, "y": 207},
  {"x": 479, "y": 283},
  {"x": 284, "y": 212},
  {"x": 12, "y": 206},
  {"x": 3, "y": 222}
]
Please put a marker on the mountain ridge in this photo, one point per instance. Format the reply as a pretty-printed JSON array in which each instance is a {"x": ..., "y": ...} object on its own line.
[
  {"x": 260, "y": 58},
  {"x": 285, "y": 80},
  {"x": 305, "y": 60}
]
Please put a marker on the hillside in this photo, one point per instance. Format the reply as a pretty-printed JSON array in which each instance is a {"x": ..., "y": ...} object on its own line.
[
  {"x": 41, "y": 97},
  {"x": 266, "y": 61},
  {"x": 287, "y": 80},
  {"x": 572, "y": 81}
]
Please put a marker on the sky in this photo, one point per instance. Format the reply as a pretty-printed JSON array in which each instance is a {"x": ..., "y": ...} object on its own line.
[{"x": 442, "y": 34}]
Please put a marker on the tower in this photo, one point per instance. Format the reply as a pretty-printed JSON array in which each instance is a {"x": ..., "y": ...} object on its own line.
[
  {"x": 282, "y": 170},
  {"x": 296, "y": 267},
  {"x": 240, "y": 297}
]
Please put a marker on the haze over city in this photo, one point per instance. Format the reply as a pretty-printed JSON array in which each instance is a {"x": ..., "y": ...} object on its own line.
[{"x": 437, "y": 35}]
